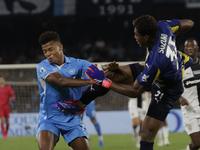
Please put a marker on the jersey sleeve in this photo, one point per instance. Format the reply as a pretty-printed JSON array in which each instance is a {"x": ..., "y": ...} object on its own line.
[
  {"x": 136, "y": 69},
  {"x": 43, "y": 71},
  {"x": 11, "y": 92},
  {"x": 149, "y": 75},
  {"x": 174, "y": 24},
  {"x": 84, "y": 65}
]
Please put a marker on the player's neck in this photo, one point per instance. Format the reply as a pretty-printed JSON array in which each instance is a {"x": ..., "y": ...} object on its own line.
[
  {"x": 195, "y": 60},
  {"x": 61, "y": 61},
  {"x": 152, "y": 42}
]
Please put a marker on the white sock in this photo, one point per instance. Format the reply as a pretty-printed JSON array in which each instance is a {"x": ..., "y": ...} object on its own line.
[
  {"x": 166, "y": 132},
  {"x": 159, "y": 134},
  {"x": 100, "y": 138}
]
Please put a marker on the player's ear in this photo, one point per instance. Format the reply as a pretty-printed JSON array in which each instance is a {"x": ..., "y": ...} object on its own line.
[
  {"x": 146, "y": 37},
  {"x": 61, "y": 46}
]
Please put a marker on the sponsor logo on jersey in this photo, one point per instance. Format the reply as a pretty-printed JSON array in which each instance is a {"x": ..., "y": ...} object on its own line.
[
  {"x": 191, "y": 82},
  {"x": 145, "y": 77},
  {"x": 196, "y": 72},
  {"x": 72, "y": 71},
  {"x": 42, "y": 70}
]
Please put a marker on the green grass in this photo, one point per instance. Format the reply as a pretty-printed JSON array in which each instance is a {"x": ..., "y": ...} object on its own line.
[{"x": 111, "y": 142}]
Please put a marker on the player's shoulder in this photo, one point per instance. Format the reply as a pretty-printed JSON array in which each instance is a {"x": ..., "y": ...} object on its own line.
[
  {"x": 72, "y": 59},
  {"x": 43, "y": 63}
]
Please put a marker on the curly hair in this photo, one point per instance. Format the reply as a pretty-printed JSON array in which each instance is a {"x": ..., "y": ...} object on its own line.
[
  {"x": 49, "y": 36},
  {"x": 146, "y": 25}
]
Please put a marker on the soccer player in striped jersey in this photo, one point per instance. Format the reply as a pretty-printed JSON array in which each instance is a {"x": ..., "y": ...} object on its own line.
[
  {"x": 163, "y": 71},
  {"x": 190, "y": 100}
]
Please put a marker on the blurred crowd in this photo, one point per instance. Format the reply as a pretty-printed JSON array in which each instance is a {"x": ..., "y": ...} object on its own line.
[{"x": 95, "y": 39}]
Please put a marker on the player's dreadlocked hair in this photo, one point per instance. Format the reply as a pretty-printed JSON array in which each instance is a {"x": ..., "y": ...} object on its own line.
[
  {"x": 49, "y": 36},
  {"x": 146, "y": 25}
]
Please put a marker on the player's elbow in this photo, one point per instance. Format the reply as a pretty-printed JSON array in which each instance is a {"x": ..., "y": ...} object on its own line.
[
  {"x": 189, "y": 24},
  {"x": 62, "y": 82},
  {"x": 186, "y": 25}
]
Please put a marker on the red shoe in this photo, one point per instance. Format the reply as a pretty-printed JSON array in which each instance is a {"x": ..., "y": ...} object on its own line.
[{"x": 5, "y": 136}]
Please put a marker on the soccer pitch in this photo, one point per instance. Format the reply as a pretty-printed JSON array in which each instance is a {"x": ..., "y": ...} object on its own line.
[{"x": 178, "y": 141}]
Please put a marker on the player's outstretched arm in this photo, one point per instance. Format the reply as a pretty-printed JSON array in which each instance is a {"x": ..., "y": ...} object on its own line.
[
  {"x": 186, "y": 25},
  {"x": 58, "y": 79},
  {"x": 129, "y": 90}
]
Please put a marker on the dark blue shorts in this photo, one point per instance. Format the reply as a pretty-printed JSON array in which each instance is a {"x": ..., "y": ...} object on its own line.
[{"x": 163, "y": 99}]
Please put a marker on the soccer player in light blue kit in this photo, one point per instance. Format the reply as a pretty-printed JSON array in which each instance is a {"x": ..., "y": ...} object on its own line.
[
  {"x": 91, "y": 113},
  {"x": 59, "y": 79},
  {"x": 163, "y": 71}
]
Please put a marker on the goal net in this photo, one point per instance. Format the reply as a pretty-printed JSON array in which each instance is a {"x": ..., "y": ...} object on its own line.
[{"x": 23, "y": 79}]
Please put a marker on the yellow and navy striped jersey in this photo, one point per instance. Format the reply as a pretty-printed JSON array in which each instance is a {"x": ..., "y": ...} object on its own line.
[{"x": 164, "y": 65}]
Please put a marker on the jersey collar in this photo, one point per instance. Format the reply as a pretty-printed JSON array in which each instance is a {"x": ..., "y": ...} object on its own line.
[{"x": 66, "y": 59}]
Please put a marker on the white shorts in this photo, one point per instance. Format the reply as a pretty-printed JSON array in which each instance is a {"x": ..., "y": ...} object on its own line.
[
  {"x": 134, "y": 111},
  {"x": 191, "y": 121}
]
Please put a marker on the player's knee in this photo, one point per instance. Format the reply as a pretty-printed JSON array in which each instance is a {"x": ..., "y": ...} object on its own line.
[{"x": 148, "y": 135}]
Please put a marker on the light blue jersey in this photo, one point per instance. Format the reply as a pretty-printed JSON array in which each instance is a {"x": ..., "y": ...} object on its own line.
[{"x": 51, "y": 93}]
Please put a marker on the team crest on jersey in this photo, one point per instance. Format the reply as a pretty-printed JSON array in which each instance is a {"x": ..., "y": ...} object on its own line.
[
  {"x": 145, "y": 77},
  {"x": 72, "y": 71},
  {"x": 189, "y": 127},
  {"x": 42, "y": 70}
]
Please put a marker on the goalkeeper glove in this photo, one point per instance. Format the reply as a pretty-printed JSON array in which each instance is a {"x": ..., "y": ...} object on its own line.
[{"x": 98, "y": 76}]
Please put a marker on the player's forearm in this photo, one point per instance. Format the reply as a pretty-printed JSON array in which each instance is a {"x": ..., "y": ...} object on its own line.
[
  {"x": 124, "y": 89},
  {"x": 69, "y": 82}
]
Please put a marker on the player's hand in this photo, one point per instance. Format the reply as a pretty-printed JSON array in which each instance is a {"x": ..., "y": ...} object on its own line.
[
  {"x": 70, "y": 105},
  {"x": 97, "y": 76},
  {"x": 110, "y": 67},
  {"x": 183, "y": 101},
  {"x": 113, "y": 66},
  {"x": 11, "y": 103}
]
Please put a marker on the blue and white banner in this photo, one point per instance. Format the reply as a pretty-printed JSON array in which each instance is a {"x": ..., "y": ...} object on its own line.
[
  {"x": 23, "y": 124},
  {"x": 119, "y": 122},
  {"x": 111, "y": 122}
]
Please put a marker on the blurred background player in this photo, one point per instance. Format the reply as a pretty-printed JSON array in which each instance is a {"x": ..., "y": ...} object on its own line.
[
  {"x": 190, "y": 100},
  {"x": 163, "y": 135},
  {"x": 7, "y": 96},
  {"x": 137, "y": 108},
  {"x": 91, "y": 113}
]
